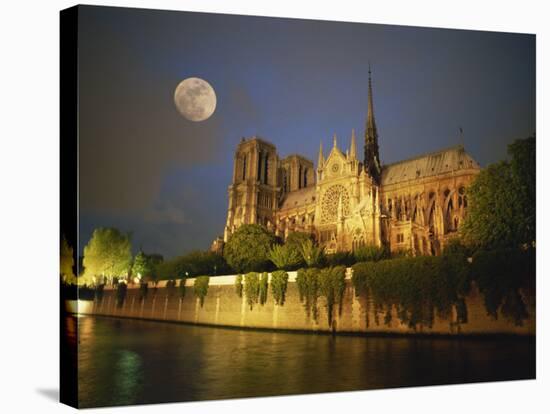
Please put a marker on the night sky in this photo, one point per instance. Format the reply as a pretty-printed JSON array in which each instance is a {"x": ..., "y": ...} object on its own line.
[{"x": 146, "y": 169}]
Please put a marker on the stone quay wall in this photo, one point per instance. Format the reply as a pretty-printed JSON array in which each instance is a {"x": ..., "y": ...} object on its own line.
[{"x": 223, "y": 307}]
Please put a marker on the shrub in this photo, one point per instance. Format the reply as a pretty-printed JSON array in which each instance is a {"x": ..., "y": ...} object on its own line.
[
  {"x": 332, "y": 285},
  {"x": 371, "y": 253},
  {"x": 239, "y": 286},
  {"x": 181, "y": 288},
  {"x": 255, "y": 287},
  {"x": 285, "y": 257},
  {"x": 248, "y": 248},
  {"x": 501, "y": 276},
  {"x": 279, "y": 283},
  {"x": 201, "y": 287},
  {"x": 340, "y": 259},
  {"x": 414, "y": 286},
  {"x": 264, "y": 286},
  {"x": 313, "y": 255},
  {"x": 456, "y": 247},
  {"x": 308, "y": 287}
]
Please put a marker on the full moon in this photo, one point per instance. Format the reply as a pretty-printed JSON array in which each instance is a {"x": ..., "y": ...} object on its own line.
[{"x": 195, "y": 99}]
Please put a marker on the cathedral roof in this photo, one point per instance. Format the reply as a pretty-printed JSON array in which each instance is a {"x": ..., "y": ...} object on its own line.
[
  {"x": 298, "y": 198},
  {"x": 427, "y": 165}
]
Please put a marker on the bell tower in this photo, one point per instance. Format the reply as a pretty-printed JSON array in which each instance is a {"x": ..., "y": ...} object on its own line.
[{"x": 253, "y": 190}]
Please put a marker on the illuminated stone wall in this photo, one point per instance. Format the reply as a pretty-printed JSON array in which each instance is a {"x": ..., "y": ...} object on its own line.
[{"x": 223, "y": 307}]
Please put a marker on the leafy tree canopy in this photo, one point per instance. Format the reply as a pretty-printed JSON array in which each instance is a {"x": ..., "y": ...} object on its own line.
[
  {"x": 193, "y": 264},
  {"x": 502, "y": 201},
  {"x": 143, "y": 266},
  {"x": 296, "y": 238},
  {"x": 66, "y": 262},
  {"x": 248, "y": 248},
  {"x": 108, "y": 253}
]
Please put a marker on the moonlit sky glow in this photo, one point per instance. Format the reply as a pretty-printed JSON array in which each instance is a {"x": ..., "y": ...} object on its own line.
[{"x": 146, "y": 169}]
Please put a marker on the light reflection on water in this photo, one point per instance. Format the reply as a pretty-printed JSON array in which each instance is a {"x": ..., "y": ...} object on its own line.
[{"x": 131, "y": 362}]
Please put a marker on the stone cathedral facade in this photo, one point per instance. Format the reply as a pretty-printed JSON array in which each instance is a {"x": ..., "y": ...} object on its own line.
[{"x": 344, "y": 202}]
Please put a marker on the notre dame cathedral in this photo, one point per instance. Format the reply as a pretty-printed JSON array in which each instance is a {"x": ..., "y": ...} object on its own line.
[{"x": 415, "y": 204}]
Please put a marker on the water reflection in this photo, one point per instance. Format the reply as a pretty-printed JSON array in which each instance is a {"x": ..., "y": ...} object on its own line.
[
  {"x": 129, "y": 362},
  {"x": 127, "y": 376}
]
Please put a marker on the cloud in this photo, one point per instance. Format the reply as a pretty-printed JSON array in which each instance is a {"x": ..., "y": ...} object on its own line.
[
  {"x": 165, "y": 213},
  {"x": 129, "y": 136}
]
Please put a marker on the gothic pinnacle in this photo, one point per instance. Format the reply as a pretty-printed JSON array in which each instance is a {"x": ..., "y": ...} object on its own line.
[
  {"x": 353, "y": 146},
  {"x": 321, "y": 159}
]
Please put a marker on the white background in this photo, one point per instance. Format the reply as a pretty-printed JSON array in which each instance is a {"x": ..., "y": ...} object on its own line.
[{"x": 29, "y": 159}]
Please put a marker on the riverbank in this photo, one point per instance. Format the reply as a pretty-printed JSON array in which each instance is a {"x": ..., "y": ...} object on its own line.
[{"x": 223, "y": 307}]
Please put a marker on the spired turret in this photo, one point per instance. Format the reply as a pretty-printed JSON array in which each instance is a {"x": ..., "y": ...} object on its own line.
[
  {"x": 372, "y": 157},
  {"x": 321, "y": 159}
]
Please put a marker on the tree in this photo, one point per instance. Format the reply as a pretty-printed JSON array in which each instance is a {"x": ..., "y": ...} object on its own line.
[
  {"x": 108, "y": 253},
  {"x": 501, "y": 210},
  {"x": 313, "y": 255},
  {"x": 66, "y": 262},
  {"x": 143, "y": 266},
  {"x": 248, "y": 248},
  {"x": 192, "y": 264},
  {"x": 285, "y": 257},
  {"x": 296, "y": 238},
  {"x": 294, "y": 242},
  {"x": 523, "y": 165},
  {"x": 155, "y": 260}
]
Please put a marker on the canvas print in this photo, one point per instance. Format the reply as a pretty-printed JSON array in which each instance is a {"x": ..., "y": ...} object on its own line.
[{"x": 256, "y": 206}]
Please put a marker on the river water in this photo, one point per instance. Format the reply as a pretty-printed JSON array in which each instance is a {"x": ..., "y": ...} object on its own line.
[{"x": 134, "y": 362}]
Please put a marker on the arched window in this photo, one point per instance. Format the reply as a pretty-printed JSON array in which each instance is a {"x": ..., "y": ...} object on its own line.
[
  {"x": 431, "y": 212},
  {"x": 300, "y": 177},
  {"x": 244, "y": 168},
  {"x": 305, "y": 177},
  {"x": 449, "y": 224},
  {"x": 260, "y": 155}
]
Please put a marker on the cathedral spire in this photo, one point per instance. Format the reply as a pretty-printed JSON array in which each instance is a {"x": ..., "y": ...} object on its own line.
[
  {"x": 372, "y": 158},
  {"x": 334, "y": 144},
  {"x": 321, "y": 160},
  {"x": 353, "y": 146}
]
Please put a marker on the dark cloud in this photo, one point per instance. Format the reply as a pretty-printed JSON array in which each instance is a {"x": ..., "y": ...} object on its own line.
[{"x": 130, "y": 131}]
